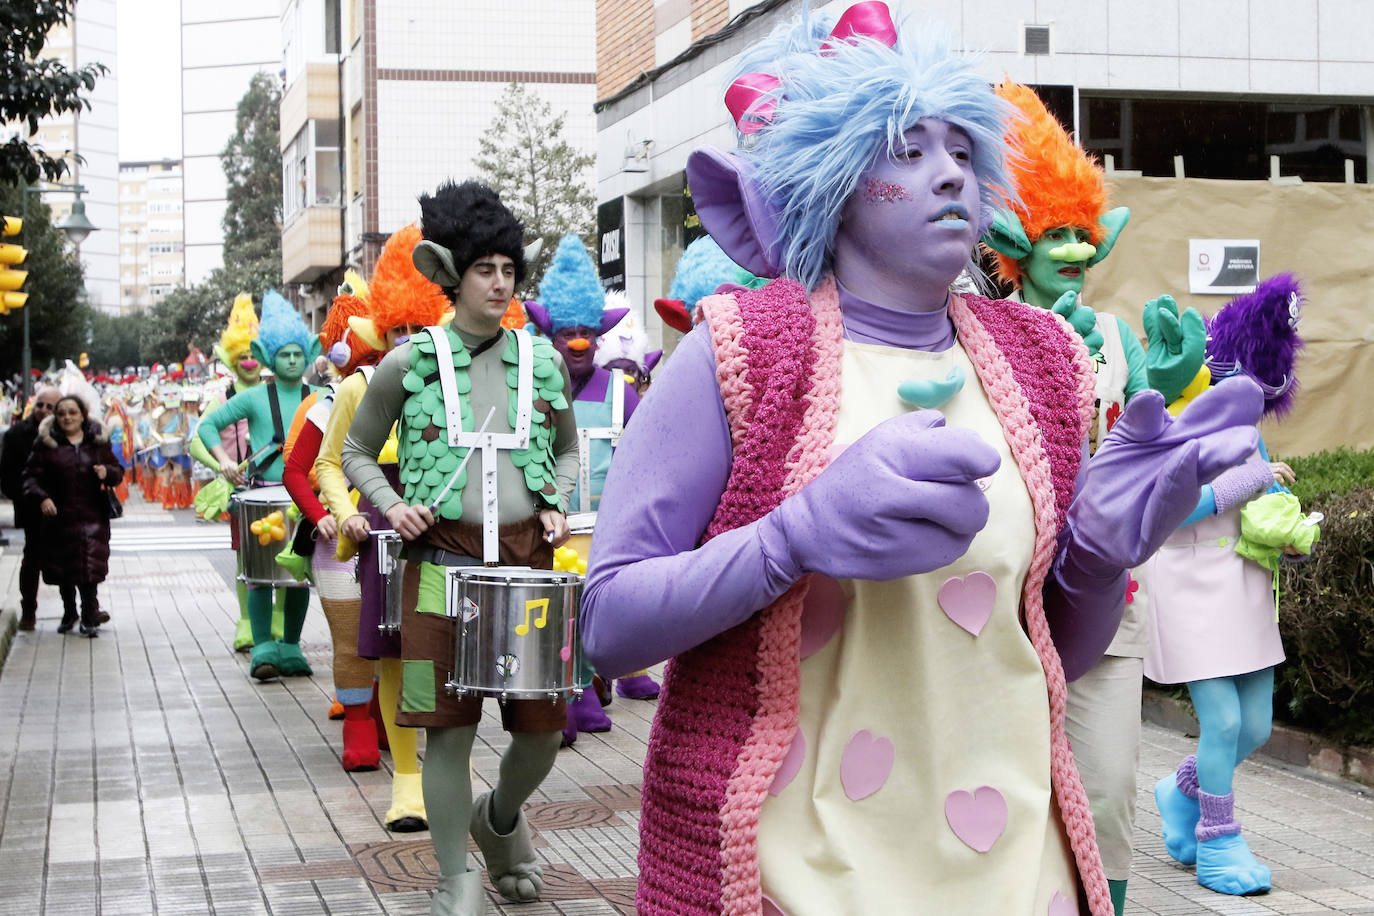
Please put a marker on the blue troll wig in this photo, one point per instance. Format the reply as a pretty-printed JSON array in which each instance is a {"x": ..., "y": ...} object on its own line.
[
  {"x": 281, "y": 326},
  {"x": 570, "y": 289},
  {"x": 702, "y": 268},
  {"x": 838, "y": 111},
  {"x": 1258, "y": 334}
]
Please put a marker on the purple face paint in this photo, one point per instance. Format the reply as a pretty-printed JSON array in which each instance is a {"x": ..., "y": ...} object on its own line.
[{"x": 877, "y": 191}]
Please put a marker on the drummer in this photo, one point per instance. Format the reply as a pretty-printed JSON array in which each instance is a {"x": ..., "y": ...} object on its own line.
[
  {"x": 472, "y": 250},
  {"x": 400, "y": 303},
  {"x": 572, "y": 311},
  {"x": 285, "y": 344}
]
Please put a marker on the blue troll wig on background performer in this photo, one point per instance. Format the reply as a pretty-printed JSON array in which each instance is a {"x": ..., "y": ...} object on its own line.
[
  {"x": 1257, "y": 334},
  {"x": 570, "y": 295},
  {"x": 824, "y": 130},
  {"x": 281, "y": 326},
  {"x": 702, "y": 270}
]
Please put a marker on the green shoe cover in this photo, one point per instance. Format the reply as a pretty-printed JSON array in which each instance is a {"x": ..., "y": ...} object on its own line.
[
  {"x": 243, "y": 635},
  {"x": 266, "y": 661},
  {"x": 459, "y": 895},
  {"x": 291, "y": 661}
]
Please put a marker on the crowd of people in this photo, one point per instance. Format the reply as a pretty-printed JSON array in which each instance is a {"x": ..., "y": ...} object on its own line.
[{"x": 873, "y": 695}]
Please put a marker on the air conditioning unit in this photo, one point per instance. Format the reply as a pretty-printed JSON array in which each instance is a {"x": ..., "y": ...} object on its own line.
[{"x": 1036, "y": 39}]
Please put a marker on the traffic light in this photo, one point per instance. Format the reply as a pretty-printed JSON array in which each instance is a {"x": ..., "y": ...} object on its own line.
[{"x": 10, "y": 279}]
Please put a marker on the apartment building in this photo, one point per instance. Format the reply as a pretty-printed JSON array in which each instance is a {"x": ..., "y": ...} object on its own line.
[{"x": 151, "y": 245}]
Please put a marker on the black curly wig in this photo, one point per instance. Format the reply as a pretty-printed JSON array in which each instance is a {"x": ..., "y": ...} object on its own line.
[{"x": 470, "y": 221}]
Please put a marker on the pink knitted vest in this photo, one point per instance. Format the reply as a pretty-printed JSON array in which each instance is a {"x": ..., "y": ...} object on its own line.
[{"x": 728, "y": 709}]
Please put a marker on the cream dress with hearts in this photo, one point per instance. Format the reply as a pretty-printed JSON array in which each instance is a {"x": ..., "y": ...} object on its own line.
[{"x": 921, "y": 744}]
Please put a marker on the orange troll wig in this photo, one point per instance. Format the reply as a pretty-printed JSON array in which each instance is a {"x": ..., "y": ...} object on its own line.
[
  {"x": 1058, "y": 183},
  {"x": 400, "y": 294},
  {"x": 347, "y": 351}
]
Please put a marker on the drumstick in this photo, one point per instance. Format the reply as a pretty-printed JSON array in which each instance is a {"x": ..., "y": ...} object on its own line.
[{"x": 434, "y": 506}]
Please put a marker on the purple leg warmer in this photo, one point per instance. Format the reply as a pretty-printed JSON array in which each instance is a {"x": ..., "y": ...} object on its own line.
[
  {"x": 1218, "y": 816},
  {"x": 1186, "y": 777}
]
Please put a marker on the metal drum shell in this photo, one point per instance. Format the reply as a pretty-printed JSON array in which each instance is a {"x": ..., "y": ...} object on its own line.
[
  {"x": 386, "y": 555},
  {"x": 257, "y": 563},
  {"x": 491, "y": 657}
]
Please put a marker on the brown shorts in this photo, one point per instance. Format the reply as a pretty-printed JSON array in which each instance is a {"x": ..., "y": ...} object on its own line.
[{"x": 427, "y": 639}]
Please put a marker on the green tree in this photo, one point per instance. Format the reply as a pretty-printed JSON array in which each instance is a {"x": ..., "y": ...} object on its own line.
[
  {"x": 33, "y": 87},
  {"x": 114, "y": 341},
  {"x": 252, "y": 166},
  {"x": 252, "y": 234},
  {"x": 541, "y": 177},
  {"x": 59, "y": 318}
]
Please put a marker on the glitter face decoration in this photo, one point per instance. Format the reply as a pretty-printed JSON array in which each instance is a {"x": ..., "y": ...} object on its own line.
[{"x": 877, "y": 191}]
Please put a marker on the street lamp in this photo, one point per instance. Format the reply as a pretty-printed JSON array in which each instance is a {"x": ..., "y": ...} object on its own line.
[{"x": 77, "y": 227}]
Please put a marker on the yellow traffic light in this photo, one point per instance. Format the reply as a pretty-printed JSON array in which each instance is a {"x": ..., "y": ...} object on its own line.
[
  {"x": 11, "y": 280},
  {"x": 10, "y": 301},
  {"x": 12, "y": 254},
  {"x": 12, "y": 225}
]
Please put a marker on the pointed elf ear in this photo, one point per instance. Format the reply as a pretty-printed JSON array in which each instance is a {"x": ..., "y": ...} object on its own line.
[
  {"x": 366, "y": 329},
  {"x": 674, "y": 314},
  {"x": 611, "y": 317},
  {"x": 1113, "y": 221},
  {"x": 220, "y": 354},
  {"x": 312, "y": 351},
  {"x": 735, "y": 211},
  {"x": 1006, "y": 237},
  {"x": 260, "y": 353},
  {"x": 651, "y": 359},
  {"x": 532, "y": 251},
  {"x": 435, "y": 262},
  {"x": 539, "y": 317}
]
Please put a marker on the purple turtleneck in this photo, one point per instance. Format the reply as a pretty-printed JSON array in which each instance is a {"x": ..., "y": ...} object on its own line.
[{"x": 870, "y": 323}]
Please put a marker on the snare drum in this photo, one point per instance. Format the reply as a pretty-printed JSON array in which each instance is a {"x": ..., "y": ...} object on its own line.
[
  {"x": 385, "y": 586},
  {"x": 515, "y": 631},
  {"x": 257, "y": 561}
]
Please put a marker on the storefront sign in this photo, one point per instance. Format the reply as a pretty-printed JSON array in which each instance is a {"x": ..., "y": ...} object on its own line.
[
  {"x": 1223, "y": 266},
  {"x": 610, "y": 238}
]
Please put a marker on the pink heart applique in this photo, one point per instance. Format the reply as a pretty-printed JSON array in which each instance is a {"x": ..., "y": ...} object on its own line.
[
  {"x": 865, "y": 764},
  {"x": 977, "y": 818},
  {"x": 770, "y": 908},
  {"x": 787, "y": 770},
  {"x": 968, "y": 601},
  {"x": 1062, "y": 906},
  {"x": 822, "y": 613}
]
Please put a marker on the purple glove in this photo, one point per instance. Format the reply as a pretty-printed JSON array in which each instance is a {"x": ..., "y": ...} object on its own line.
[
  {"x": 901, "y": 500},
  {"x": 1238, "y": 486},
  {"x": 1144, "y": 480},
  {"x": 1139, "y": 487}
]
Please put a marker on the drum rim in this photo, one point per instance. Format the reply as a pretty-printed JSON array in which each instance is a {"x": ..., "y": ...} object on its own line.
[
  {"x": 260, "y": 494},
  {"x": 494, "y": 574}
]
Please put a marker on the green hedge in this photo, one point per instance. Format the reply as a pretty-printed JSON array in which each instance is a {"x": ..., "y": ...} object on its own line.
[{"x": 1327, "y": 603}]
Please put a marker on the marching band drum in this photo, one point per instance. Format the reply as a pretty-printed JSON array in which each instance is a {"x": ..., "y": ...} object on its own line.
[{"x": 271, "y": 510}]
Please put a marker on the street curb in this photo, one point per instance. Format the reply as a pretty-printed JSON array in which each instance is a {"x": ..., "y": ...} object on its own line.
[{"x": 1287, "y": 744}]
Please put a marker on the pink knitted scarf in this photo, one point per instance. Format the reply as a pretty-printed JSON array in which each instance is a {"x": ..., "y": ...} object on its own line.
[{"x": 728, "y": 709}]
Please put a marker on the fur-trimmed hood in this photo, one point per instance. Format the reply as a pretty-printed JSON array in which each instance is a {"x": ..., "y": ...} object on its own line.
[{"x": 94, "y": 430}]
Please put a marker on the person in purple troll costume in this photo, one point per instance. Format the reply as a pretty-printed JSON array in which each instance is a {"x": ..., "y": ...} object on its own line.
[
  {"x": 572, "y": 311},
  {"x": 1211, "y": 609},
  {"x": 864, "y": 707}
]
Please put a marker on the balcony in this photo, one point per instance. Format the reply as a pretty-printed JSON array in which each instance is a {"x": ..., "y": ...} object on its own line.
[{"x": 310, "y": 244}]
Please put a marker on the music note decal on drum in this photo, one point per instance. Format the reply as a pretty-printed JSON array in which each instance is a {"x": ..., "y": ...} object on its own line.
[
  {"x": 565, "y": 653},
  {"x": 543, "y": 604}
]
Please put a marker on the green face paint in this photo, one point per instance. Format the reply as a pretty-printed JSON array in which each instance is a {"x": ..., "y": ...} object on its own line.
[
  {"x": 289, "y": 364},
  {"x": 1051, "y": 269}
]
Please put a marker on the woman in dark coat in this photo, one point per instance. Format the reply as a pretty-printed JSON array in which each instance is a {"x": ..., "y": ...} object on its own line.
[{"x": 68, "y": 471}]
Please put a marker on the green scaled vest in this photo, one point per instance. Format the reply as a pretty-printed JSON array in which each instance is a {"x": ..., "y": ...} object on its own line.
[{"x": 426, "y": 459}]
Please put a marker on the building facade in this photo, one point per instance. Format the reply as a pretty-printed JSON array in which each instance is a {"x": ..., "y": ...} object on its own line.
[
  {"x": 1242, "y": 89},
  {"x": 93, "y": 135},
  {"x": 222, "y": 47},
  {"x": 384, "y": 100},
  {"x": 151, "y": 249}
]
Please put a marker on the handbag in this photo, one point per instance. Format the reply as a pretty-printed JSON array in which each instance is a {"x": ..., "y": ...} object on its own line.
[{"x": 114, "y": 508}]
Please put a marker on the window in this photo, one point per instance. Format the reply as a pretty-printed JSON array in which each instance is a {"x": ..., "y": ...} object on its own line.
[
  {"x": 331, "y": 26},
  {"x": 310, "y": 168}
]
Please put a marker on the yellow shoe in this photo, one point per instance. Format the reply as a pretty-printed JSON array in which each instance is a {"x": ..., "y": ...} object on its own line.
[{"x": 407, "y": 814}]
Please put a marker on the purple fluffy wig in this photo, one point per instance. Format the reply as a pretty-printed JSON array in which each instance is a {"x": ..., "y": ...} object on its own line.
[{"x": 1258, "y": 334}]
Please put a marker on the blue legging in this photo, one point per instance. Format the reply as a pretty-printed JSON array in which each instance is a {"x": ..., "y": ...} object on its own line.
[{"x": 1235, "y": 715}]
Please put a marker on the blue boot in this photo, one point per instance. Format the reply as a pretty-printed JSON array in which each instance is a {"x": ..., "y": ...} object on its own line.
[
  {"x": 1224, "y": 861},
  {"x": 1176, "y": 797}
]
